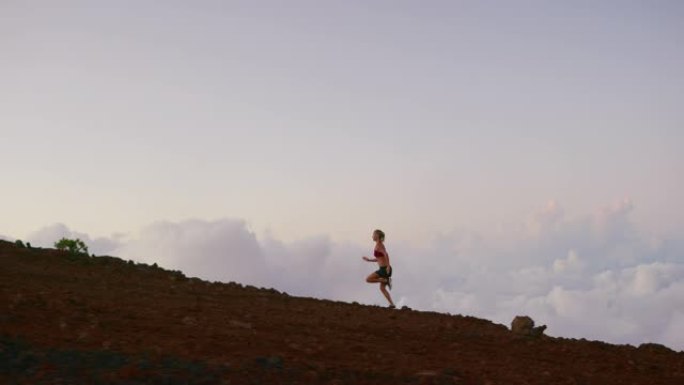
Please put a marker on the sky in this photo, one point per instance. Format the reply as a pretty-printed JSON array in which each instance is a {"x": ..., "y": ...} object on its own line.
[{"x": 522, "y": 156}]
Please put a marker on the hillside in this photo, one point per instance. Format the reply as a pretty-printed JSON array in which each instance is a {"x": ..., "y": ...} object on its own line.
[{"x": 101, "y": 320}]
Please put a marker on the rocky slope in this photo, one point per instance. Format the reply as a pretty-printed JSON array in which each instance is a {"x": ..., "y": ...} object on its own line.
[{"x": 100, "y": 320}]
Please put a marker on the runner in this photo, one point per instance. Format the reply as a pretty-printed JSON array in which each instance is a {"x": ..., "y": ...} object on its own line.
[{"x": 384, "y": 273}]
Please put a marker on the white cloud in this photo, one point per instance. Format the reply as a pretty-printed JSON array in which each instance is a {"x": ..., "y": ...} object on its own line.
[
  {"x": 220, "y": 250},
  {"x": 572, "y": 263},
  {"x": 673, "y": 333},
  {"x": 226, "y": 250},
  {"x": 48, "y": 235},
  {"x": 593, "y": 277},
  {"x": 546, "y": 219}
]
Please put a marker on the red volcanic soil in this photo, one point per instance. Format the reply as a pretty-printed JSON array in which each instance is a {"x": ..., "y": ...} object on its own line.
[{"x": 72, "y": 319}]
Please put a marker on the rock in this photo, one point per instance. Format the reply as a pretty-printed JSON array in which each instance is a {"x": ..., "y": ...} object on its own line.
[
  {"x": 431, "y": 377},
  {"x": 240, "y": 324},
  {"x": 130, "y": 372},
  {"x": 538, "y": 331},
  {"x": 524, "y": 325},
  {"x": 83, "y": 335},
  {"x": 272, "y": 362},
  {"x": 312, "y": 376}
]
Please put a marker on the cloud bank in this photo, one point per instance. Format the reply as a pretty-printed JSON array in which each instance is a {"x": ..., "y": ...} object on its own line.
[
  {"x": 48, "y": 235},
  {"x": 595, "y": 276}
]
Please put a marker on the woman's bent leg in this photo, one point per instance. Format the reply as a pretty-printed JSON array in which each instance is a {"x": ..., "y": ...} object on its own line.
[{"x": 374, "y": 278}]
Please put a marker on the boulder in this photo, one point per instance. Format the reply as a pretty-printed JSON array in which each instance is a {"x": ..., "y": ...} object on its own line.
[{"x": 524, "y": 325}]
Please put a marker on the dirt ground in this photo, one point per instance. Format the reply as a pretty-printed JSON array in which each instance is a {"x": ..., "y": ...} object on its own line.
[{"x": 70, "y": 319}]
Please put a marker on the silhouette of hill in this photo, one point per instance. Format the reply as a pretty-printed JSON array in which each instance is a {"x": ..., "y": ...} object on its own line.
[{"x": 101, "y": 320}]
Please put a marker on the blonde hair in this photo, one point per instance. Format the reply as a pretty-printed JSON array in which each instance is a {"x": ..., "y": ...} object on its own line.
[{"x": 381, "y": 234}]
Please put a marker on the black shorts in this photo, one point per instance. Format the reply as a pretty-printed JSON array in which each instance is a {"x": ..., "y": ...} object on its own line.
[{"x": 382, "y": 272}]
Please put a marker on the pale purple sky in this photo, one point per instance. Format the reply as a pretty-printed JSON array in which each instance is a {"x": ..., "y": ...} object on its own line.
[
  {"x": 524, "y": 132},
  {"x": 308, "y": 116}
]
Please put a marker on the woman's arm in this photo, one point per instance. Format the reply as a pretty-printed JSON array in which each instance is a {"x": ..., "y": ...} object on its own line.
[{"x": 369, "y": 259}]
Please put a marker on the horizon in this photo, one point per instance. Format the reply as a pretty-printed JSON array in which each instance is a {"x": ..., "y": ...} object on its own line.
[{"x": 521, "y": 156}]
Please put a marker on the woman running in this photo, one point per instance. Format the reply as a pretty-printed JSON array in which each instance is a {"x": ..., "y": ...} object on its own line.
[{"x": 384, "y": 273}]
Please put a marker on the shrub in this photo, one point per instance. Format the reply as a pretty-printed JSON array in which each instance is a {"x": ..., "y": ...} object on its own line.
[
  {"x": 19, "y": 243},
  {"x": 73, "y": 246}
]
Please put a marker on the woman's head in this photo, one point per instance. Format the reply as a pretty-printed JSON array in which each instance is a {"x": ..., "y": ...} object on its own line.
[{"x": 378, "y": 235}]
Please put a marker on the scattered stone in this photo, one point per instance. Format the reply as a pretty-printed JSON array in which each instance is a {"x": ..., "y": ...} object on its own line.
[
  {"x": 312, "y": 376},
  {"x": 427, "y": 377},
  {"x": 240, "y": 324},
  {"x": 82, "y": 335},
  {"x": 272, "y": 362}
]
